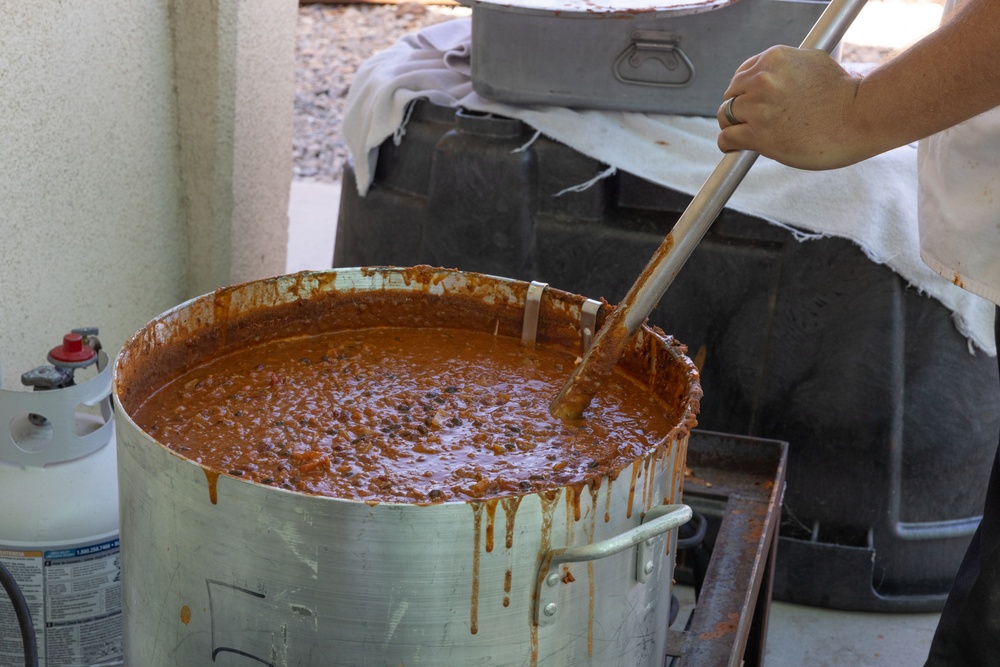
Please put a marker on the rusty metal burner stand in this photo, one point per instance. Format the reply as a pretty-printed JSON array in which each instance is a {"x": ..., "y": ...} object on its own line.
[{"x": 737, "y": 484}]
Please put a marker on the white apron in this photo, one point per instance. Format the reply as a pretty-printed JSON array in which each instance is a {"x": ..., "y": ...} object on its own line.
[{"x": 959, "y": 202}]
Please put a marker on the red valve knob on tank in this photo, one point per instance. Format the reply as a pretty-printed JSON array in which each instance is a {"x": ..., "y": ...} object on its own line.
[{"x": 72, "y": 351}]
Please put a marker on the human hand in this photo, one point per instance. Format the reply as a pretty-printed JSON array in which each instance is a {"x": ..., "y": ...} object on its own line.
[{"x": 794, "y": 106}]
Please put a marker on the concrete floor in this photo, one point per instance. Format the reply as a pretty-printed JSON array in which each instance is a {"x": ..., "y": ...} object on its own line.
[
  {"x": 312, "y": 216},
  {"x": 799, "y": 636},
  {"x": 811, "y": 637}
]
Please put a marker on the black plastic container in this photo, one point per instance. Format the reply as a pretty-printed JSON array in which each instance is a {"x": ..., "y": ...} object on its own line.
[{"x": 891, "y": 423}]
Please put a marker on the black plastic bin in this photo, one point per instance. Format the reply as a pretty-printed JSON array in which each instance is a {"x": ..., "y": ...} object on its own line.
[{"x": 891, "y": 422}]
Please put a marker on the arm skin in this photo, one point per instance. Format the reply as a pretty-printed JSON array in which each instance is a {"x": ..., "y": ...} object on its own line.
[{"x": 801, "y": 108}]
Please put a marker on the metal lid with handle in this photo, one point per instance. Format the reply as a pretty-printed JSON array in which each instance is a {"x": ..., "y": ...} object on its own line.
[
  {"x": 676, "y": 248},
  {"x": 596, "y": 9}
]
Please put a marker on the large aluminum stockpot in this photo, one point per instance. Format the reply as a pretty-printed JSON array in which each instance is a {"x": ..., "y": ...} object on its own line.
[{"x": 222, "y": 571}]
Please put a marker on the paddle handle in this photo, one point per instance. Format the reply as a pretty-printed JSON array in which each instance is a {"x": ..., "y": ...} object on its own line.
[{"x": 678, "y": 245}]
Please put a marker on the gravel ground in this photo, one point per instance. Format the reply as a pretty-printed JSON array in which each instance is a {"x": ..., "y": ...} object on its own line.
[{"x": 333, "y": 40}]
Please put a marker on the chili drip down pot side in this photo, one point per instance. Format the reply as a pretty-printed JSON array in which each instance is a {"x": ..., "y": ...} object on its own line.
[{"x": 214, "y": 564}]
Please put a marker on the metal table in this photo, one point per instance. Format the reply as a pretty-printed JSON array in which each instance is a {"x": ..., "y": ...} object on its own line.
[{"x": 737, "y": 484}]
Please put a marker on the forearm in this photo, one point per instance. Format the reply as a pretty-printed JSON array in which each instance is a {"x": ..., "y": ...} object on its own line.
[
  {"x": 800, "y": 107},
  {"x": 949, "y": 76}
]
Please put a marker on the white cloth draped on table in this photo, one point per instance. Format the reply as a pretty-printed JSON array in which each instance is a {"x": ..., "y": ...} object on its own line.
[{"x": 873, "y": 203}]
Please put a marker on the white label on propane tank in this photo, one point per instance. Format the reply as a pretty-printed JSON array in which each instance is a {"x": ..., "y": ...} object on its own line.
[{"x": 75, "y": 598}]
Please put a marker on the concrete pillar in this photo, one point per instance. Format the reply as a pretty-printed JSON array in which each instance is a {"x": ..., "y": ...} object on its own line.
[
  {"x": 145, "y": 157},
  {"x": 234, "y": 74}
]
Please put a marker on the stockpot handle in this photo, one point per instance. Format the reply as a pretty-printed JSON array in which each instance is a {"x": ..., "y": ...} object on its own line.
[{"x": 655, "y": 522}]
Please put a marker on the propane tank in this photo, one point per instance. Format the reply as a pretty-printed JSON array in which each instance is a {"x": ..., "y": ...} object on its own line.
[{"x": 59, "y": 510}]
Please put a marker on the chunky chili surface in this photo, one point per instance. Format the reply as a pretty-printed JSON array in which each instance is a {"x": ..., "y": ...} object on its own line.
[{"x": 400, "y": 415}]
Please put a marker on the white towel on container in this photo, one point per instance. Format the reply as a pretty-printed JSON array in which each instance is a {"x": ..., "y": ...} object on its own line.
[{"x": 873, "y": 203}]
